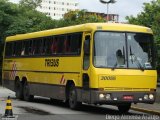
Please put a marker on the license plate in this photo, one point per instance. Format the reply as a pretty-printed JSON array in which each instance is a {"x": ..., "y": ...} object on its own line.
[{"x": 128, "y": 97}]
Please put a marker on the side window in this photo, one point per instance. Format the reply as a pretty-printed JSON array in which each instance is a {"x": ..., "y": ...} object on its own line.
[
  {"x": 60, "y": 44},
  {"x": 30, "y": 47},
  {"x": 27, "y": 47},
  {"x": 36, "y": 46},
  {"x": 18, "y": 48},
  {"x": 41, "y": 50},
  {"x": 54, "y": 45},
  {"x": 14, "y": 46},
  {"x": 75, "y": 44},
  {"x": 44, "y": 45},
  {"x": 8, "y": 50},
  {"x": 67, "y": 45},
  {"x": 25, "y": 50},
  {"x": 13, "y": 49},
  {"x": 48, "y": 45}
]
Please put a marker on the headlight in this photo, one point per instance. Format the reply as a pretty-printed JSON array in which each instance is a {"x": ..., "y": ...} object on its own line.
[
  {"x": 151, "y": 96},
  {"x": 146, "y": 97},
  {"x": 108, "y": 96},
  {"x": 101, "y": 96}
]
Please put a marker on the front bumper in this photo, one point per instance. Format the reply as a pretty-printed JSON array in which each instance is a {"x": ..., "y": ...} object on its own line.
[{"x": 117, "y": 97}]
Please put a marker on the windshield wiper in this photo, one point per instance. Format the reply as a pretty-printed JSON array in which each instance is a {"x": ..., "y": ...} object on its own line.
[
  {"x": 134, "y": 59},
  {"x": 139, "y": 65}
]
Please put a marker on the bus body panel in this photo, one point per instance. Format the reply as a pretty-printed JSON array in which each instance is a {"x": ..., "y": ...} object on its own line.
[
  {"x": 45, "y": 70},
  {"x": 47, "y": 81},
  {"x": 122, "y": 78}
]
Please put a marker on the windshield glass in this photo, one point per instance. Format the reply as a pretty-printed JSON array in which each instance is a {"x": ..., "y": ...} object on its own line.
[
  {"x": 110, "y": 50},
  {"x": 140, "y": 50}
]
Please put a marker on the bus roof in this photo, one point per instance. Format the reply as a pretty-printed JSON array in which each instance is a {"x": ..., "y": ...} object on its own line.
[{"x": 81, "y": 28}]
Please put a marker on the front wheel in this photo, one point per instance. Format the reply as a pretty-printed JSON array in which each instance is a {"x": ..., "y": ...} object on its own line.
[
  {"x": 26, "y": 92},
  {"x": 73, "y": 103},
  {"x": 124, "y": 108}
]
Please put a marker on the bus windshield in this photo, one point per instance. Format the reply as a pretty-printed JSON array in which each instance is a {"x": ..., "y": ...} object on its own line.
[{"x": 123, "y": 50}]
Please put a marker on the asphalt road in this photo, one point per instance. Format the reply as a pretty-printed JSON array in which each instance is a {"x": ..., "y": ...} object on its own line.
[{"x": 44, "y": 109}]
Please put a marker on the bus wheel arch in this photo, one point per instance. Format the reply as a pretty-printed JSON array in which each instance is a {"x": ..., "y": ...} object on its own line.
[
  {"x": 71, "y": 94},
  {"x": 18, "y": 88},
  {"x": 68, "y": 85},
  {"x": 24, "y": 79},
  {"x": 26, "y": 90}
]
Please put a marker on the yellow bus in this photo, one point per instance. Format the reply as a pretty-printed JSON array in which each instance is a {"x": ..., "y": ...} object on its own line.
[{"x": 93, "y": 63}]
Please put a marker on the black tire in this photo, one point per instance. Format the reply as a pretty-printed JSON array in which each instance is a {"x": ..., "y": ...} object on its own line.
[
  {"x": 73, "y": 103},
  {"x": 124, "y": 108},
  {"x": 26, "y": 92},
  {"x": 19, "y": 90}
]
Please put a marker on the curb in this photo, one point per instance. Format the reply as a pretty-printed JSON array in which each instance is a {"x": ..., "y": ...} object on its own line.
[{"x": 145, "y": 110}]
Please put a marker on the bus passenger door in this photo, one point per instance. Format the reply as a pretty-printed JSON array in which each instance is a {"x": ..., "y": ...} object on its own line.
[{"x": 86, "y": 69}]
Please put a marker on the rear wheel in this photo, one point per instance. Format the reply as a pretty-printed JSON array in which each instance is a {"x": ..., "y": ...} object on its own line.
[
  {"x": 124, "y": 108},
  {"x": 19, "y": 90},
  {"x": 26, "y": 92},
  {"x": 73, "y": 103}
]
